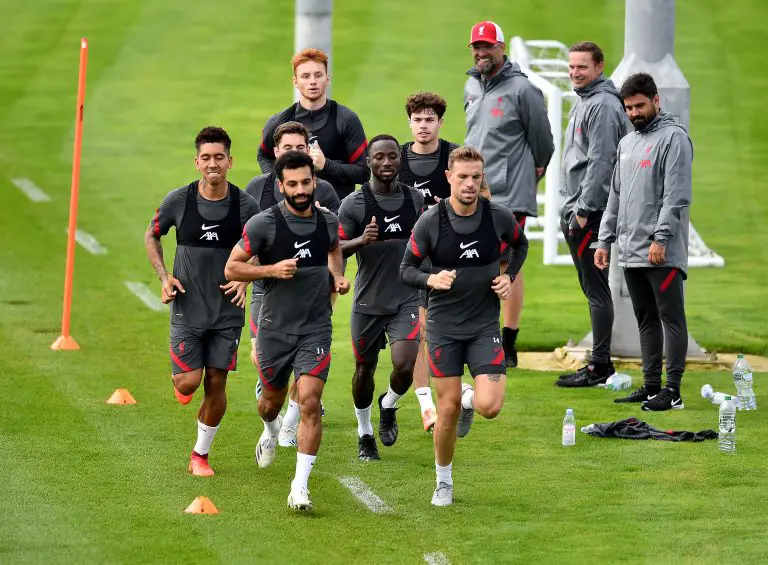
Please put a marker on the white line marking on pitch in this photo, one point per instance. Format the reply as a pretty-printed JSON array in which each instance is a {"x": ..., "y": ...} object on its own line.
[
  {"x": 33, "y": 192},
  {"x": 148, "y": 297},
  {"x": 364, "y": 494},
  {"x": 88, "y": 242},
  {"x": 436, "y": 558}
]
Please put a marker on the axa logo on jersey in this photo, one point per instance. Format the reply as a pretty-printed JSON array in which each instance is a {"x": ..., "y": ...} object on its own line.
[
  {"x": 209, "y": 235},
  {"x": 424, "y": 191},
  {"x": 392, "y": 226},
  {"x": 467, "y": 251},
  {"x": 303, "y": 251}
]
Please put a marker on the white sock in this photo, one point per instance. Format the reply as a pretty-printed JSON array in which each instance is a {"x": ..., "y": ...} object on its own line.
[
  {"x": 304, "y": 464},
  {"x": 205, "y": 435},
  {"x": 444, "y": 473},
  {"x": 291, "y": 417},
  {"x": 424, "y": 396},
  {"x": 364, "y": 426},
  {"x": 467, "y": 399},
  {"x": 390, "y": 399},
  {"x": 272, "y": 427}
]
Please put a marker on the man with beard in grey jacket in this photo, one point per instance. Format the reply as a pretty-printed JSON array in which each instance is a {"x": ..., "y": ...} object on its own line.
[
  {"x": 648, "y": 218},
  {"x": 507, "y": 122},
  {"x": 597, "y": 123}
]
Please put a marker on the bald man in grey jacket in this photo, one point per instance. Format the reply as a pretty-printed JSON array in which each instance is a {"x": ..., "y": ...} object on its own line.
[
  {"x": 648, "y": 219},
  {"x": 595, "y": 126}
]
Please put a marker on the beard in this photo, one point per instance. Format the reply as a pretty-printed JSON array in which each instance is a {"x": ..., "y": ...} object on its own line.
[
  {"x": 642, "y": 121},
  {"x": 486, "y": 67},
  {"x": 301, "y": 205}
]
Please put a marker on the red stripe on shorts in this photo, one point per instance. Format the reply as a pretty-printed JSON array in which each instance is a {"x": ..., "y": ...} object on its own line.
[
  {"x": 435, "y": 370},
  {"x": 414, "y": 332},
  {"x": 182, "y": 365},
  {"x": 233, "y": 364},
  {"x": 320, "y": 367},
  {"x": 357, "y": 354}
]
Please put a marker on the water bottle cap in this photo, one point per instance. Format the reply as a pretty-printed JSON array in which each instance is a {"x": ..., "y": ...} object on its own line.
[
  {"x": 740, "y": 356},
  {"x": 569, "y": 412},
  {"x": 727, "y": 397}
]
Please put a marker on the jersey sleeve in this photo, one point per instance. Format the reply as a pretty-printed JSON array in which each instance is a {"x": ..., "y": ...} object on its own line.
[
  {"x": 351, "y": 215},
  {"x": 248, "y": 207},
  {"x": 327, "y": 196},
  {"x": 255, "y": 187},
  {"x": 170, "y": 212},
  {"x": 418, "y": 200},
  {"x": 332, "y": 222},
  {"x": 259, "y": 233},
  {"x": 512, "y": 236},
  {"x": 418, "y": 248},
  {"x": 266, "y": 153},
  {"x": 355, "y": 170}
]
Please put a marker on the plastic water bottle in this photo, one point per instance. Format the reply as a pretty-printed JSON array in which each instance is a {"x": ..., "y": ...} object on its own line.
[
  {"x": 742, "y": 378},
  {"x": 716, "y": 398},
  {"x": 569, "y": 428},
  {"x": 618, "y": 381},
  {"x": 727, "y": 435}
]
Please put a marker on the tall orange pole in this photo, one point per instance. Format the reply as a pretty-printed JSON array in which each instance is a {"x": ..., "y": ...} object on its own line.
[{"x": 65, "y": 341}]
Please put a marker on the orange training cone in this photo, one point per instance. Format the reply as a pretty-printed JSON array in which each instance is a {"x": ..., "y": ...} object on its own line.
[
  {"x": 201, "y": 505},
  {"x": 121, "y": 396}
]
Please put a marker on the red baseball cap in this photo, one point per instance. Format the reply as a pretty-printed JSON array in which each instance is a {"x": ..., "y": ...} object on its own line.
[{"x": 486, "y": 31}]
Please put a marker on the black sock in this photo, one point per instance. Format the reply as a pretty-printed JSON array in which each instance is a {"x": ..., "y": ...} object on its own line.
[
  {"x": 508, "y": 338},
  {"x": 602, "y": 369}
]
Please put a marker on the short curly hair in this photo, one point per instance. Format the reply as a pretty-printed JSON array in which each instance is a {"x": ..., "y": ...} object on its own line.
[{"x": 425, "y": 101}]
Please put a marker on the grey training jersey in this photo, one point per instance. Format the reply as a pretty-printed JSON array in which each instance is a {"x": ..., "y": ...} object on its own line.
[
  {"x": 324, "y": 193},
  {"x": 424, "y": 165},
  {"x": 201, "y": 269},
  {"x": 306, "y": 307},
  {"x": 471, "y": 306},
  {"x": 377, "y": 288}
]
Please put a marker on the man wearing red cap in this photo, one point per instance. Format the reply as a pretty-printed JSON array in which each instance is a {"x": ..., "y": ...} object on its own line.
[{"x": 507, "y": 122}]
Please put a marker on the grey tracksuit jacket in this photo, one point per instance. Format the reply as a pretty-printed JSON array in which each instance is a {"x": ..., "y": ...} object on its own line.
[
  {"x": 507, "y": 122},
  {"x": 650, "y": 195},
  {"x": 597, "y": 123}
]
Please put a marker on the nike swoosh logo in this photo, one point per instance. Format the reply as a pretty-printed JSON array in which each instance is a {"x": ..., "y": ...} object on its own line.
[
  {"x": 206, "y": 228},
  {"x": 296, "y": 244},
  {"x": 419, "y": 184},
  {"x": 465, "y": 245},
  {"x": 676, "y": 402},
  {"x": 387, "y": 220}
]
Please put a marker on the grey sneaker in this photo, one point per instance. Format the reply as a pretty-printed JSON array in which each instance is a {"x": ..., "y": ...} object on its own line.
[
  {"x": 466, "y": 416},
  {"x": 443, "y": 495}
]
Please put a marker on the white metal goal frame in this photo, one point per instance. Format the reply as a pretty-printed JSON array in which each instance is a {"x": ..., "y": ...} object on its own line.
[{"x": 546, "y": 64}]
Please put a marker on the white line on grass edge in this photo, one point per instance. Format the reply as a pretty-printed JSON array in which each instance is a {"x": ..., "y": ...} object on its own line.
[
  {"x": 364, "y": 494},
  {"x": 33, "y": 192},
  {"x": 436, "y": 558},
  {"x": 88, "y": 242},
  {"x": 148, "y": 297}
]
